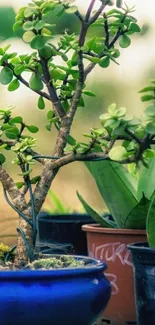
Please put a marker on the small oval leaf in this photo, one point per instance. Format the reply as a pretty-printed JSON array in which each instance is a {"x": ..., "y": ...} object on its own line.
[
  {"x": 32, "y": 128},
  {"x": 41, "y": 103},
  {"x": 6, "y": 76},
  {"x": 14, "y": 85},
  {"x": 117, "y": 153},
  {"x": 104, "y": 63},
  {"x": 124, "y": 41},
  {"x": 28, "y": 36},
  {"x": 35, "y": 82}
]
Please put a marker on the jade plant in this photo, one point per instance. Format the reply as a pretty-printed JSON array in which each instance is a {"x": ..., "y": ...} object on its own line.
[
  {"x": 64, "y": 87},
  {"x": 126, "y": 192},
  {"x": 129, "y": 193}
]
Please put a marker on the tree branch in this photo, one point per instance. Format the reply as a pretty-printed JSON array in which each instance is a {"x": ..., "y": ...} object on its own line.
[
  {"x": 133, "y": 136},
  {"x": 90, "y": 8},
  {"x": 98, "y": 12},
  {"x": 77, "y": 13},
  {"x": 29, "y": 151},
  {"x": 24, "y": 82},
  {"x": 14, "y": 193},
  {"x": 91, "y": 66},
  {"x": 69, "y": 158},
  {"x": 52, "y": 91},
  {"x": 106, "y": 28}
]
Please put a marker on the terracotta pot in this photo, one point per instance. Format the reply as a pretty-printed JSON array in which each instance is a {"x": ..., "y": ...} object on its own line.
[{"x": 110, "y": 245}]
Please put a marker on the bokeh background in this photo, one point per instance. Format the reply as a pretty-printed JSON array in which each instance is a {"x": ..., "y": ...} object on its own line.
[{"x": 118, "y": 83}]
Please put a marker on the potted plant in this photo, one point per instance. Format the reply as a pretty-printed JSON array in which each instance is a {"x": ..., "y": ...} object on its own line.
[
  {"x": 143, "y": 252},
  {"x": 30, "y": 290},
  {"x": 59, "y": 228},
  {"x": 128, "y": 198}
]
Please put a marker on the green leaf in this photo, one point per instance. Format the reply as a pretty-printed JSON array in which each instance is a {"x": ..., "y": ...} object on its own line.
[
  {"x": 94, "y": 60},
  {"x": 39, "y": 24},
  {"x": 32, "y": 128},
  {"x": 50, "y": 115},
  {"x": 35, "y": 179},
  {"x": 124, "y": 41},
  {"x": 114, "y": 11},
  {"x": 119, "y": 3},
  {"x": 35, "y": 82},
  {"x": 1, "y": 51},
  {"x": 104, "y": 63},
  {"x": 56, "y": 201},
  {"x": 29, "y": 12},
  {"x": 148, "y": 154},
  {"x": 2, "y": 159},
  {"x": 15, "y": 84},
  {"x": 48, "y": 127},
  {"x": 111, "y": 110},
  {"x": 81, "y": 102},
  {"x": 3, "y": 146},
  {"x": 150, "y": 223},
  {"x": 150, "y": 128},
  {"x": 28, "y": 36},
  {"x": 117, "y": 186},
  {"x": 19, "y": 68},
  {"x": 57, "y": 74},
  {"x": 17, "y": 119},
  {"x": 71, "y": 10},
  {"x": 137, "y": 218},
  {"x": 95, "y": 215},
  {"x": 145, "y": 89},
  {"x": 46, "y": 52},
  {"x": 12, "y": 132},
  {"x": 41, "y": 103},
  {"x": 146, "y": 98},
  {"x": 134, "y": 28},
  {"x": 6, "y": 76},
  {"x": 89, "y": 93},
  {"x": 121, "y": 112},
  {"x": 6, "y": 48},
  {"x": 28, "y": 25},
  {"x": 20, "y": 185},
  {"x": 17, "y": 25},
  {"x": 38, "y": 42},
  {"x": 150, "y": 111},
  {"x": 117, "y": 153},
  {"x": 147, "y": 177},
  {"x": 71, "y": 140}
]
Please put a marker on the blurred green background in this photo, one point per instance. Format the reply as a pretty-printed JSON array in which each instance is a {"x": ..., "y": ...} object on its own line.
[{"x": 118, "y": 83}]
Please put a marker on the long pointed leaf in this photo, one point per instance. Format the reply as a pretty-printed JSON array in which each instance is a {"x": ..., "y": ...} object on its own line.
[
  {"x": 137, "y": 218},
  {"x": 146, "y": 184},
  {"x": 95, "y": 215},
  {"x": 117, "y": 187},
  {"x": 150, "y": 224}
]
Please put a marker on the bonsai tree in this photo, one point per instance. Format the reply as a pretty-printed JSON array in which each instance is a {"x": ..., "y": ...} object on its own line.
[{"x": 64, "y": 86}]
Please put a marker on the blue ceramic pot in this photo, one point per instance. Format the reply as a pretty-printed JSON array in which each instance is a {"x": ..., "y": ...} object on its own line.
[{"x": 59, "y": 297}]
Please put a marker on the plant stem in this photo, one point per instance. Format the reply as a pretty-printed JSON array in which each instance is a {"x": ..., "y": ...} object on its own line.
[{"x": 51, "y": 89}]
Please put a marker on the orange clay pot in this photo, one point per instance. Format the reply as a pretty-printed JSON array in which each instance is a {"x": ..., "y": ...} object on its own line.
[{"x": 110, "y": 245}]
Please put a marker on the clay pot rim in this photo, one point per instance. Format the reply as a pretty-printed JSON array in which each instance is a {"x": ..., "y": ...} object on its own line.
[{"x": 117, "y": 231}]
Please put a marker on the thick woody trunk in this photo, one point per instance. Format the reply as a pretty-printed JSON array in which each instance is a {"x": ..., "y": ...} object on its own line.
[
  {"x": 48, "y": 175},
  {"x": 22, "y": 255}
]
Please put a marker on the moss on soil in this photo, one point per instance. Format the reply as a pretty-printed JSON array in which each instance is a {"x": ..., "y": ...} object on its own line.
[{"x": 55, "y": 263}]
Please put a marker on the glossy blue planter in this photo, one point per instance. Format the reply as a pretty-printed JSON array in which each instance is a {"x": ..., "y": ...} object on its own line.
[{"x": 59, "y": 297}]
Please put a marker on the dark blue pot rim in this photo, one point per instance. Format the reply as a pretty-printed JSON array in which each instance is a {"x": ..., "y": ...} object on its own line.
[
  {"x": 96, "y": 266},
  {"x": 64, "y": 218},
  {"x": 141, "y": 247}
]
